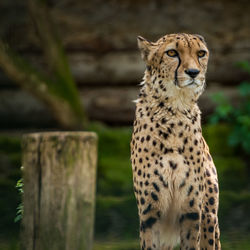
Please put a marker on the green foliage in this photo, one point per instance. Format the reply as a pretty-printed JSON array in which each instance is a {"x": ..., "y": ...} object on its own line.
[
  {"x": 19, "y": 213},
  {"x": 238, "y": 117},
  {"x": 10, "y": 158}
]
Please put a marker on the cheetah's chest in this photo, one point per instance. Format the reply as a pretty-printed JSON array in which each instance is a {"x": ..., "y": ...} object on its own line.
[{"x": 166, "y": 162}]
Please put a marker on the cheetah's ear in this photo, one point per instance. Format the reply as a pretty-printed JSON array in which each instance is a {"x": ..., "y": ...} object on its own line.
[{"x": 144, "y": 47}]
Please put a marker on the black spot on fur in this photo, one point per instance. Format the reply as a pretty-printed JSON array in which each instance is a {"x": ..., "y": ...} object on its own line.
[
  {"x": 192, "y": 216},
  {"x": 191, "y": 203},
  {"x": 165, "y": 184},
  {"x": 190, "y": 190},
  {"x": 142, "y": 201},
  {"x": 180, "y": 134},
  {"x": 181, "y": 150},
  {"x": 211, "y": 242},
  {"x": 209, "y": 157},
  {"x": 165, "y": 135},
  {"x": 149, "y": 68},
  {"x": 163, "y": 120},
  {"x": 208, "y": 173},
  {"x": 180, "y": 123},
  {"x": 156, "y": 187},
  {"x": 211, "y": 229},
  {"x": 147, "y": 209},
  {"x": 182, "y": 184},
  {"x": 185, "y": 140},
  {"x": 211, "y": 201},
  {"x": 181, "y": 218},
  {"x": 161, "y": 104},
  {"x": 154, "y": 196},
  {"x": 173, "y": 165},
  {"x": 148, "y": 223}
]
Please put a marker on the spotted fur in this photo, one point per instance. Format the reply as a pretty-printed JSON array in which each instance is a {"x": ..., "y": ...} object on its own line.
[{"x": 174, "y": 177}]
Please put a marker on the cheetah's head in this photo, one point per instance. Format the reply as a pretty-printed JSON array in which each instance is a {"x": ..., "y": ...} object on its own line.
[{"x": 176, "y": 63}]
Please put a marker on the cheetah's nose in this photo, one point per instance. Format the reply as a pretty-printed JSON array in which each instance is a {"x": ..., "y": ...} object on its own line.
[{"x": 192, "y": 72}]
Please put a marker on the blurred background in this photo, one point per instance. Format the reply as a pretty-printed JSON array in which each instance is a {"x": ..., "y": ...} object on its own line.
[{"x": 74, "y": 65}]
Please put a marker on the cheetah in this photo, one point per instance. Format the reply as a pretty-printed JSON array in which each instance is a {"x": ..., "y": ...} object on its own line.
[{"x": 175, "y": 179}]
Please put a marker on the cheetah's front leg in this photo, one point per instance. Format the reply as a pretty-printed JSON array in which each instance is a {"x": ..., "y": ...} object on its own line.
[
  {"x": 217, "y": 238},
  {"x": 190, "y": 230},
  {"x": 150, "y": 235},
  {"x": 149, "y": 238},
  {"x": 210, "y": 232},
  {"x": 210, "y": 236}
]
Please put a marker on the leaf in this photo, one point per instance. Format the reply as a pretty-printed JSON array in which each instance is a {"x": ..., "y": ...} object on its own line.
[
  {"x": 19, "y": 213},
  {"x": 18, "y": 218}
]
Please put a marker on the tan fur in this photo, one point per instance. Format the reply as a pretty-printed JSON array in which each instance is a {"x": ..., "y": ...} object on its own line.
[{"x": 175, "y": 180}]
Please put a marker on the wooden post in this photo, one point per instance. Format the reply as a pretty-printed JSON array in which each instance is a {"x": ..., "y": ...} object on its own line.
[{"x": 59, "y": 190}]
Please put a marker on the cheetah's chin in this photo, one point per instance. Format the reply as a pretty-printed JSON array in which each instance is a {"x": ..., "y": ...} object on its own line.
[
  {"x": 196, "y": 86},
  {"x": 192, "y": 84}
]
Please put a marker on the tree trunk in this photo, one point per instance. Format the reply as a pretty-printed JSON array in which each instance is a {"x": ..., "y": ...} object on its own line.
[{"x": 59, "y": 190}]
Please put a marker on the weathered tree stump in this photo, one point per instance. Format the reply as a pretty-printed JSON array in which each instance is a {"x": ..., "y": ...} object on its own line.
[{"x": 59, "y": 190}]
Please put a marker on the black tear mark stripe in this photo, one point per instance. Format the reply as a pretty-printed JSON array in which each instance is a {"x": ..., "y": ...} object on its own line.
[{"x": 175, "y": 73}]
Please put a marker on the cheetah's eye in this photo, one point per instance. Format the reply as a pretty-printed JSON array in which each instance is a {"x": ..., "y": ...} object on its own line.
[
  {"x": 201, "y": 53},
  {"x": 172, "y": 53}
]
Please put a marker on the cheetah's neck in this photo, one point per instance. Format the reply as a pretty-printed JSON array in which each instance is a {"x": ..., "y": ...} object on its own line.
[{"x": 164, "y": 105}]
